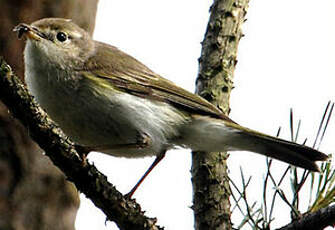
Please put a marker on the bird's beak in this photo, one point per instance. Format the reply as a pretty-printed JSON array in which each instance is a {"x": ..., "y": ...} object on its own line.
[{"x": 29, "y": 32}]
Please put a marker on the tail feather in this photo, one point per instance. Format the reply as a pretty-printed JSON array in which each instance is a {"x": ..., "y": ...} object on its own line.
[
  {"x": 289, "y": 152},
  {"x": 225, "y": 135}
]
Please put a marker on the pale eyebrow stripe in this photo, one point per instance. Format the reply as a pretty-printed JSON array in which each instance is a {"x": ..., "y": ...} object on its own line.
[{"x": 76, "y": 34}]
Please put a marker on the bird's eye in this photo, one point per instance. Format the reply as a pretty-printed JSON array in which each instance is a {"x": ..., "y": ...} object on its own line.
[{"x": 61, "y": 36}]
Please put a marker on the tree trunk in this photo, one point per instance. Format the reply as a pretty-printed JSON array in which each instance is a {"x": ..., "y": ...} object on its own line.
[
  {"x": 210, "y": 181},
  {"x": 34, "y": 194}
]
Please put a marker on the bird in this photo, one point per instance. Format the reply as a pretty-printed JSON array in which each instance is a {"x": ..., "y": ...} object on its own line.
[{"x": 105, "y": 100}]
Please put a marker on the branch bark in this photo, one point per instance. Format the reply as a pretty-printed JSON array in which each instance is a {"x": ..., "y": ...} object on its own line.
[
  {"x": 211, "y": 189},
  {"x": 313, "y": 221},
  {"x": 127, "y": 214}
]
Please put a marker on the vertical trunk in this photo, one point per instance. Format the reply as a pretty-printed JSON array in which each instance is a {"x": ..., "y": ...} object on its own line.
[
  {"x": 211, "y": 189},
  {"x": 34, "y": 194}
]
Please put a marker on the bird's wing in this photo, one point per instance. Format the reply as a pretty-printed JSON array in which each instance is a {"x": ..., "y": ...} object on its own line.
[{"x": 127, "y": 74}]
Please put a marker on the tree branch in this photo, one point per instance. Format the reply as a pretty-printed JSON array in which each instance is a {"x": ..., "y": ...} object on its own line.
[
  {"x": 317, "y": 220},
  {"x": 210, "y": 181},
  {"x": 127, "y": 214}
]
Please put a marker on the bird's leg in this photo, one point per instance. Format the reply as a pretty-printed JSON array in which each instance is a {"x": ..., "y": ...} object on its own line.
[
  {"x": 143, "y": 141},
  {"x": 83, "y": 151},
  {"x": 158, "y": 158}
]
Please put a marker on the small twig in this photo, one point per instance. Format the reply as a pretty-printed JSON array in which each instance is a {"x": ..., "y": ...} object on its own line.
[
  {"x": 281, "y": 194},
  {"x": 268, "y": 164},
  {"x": 297, "y": 132},
  {"x": 245, "y": 196},
  {"x": 294, "y": 171},
  {"x": 237, "y": 201},
  {"x": 320, "y": 125},
  {"x": 291, "y": 125},
  {"x": 246, "y": 217},
  {"x": 265, "y": 185},
  {"x": 276, "y": 192},
  {"x": 326, "y": 125}
]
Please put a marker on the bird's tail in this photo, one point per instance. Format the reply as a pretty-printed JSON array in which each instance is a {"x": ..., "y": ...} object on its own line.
[
  {"x": 289, "y": 152},
  {"x": 218, "y": 135}
]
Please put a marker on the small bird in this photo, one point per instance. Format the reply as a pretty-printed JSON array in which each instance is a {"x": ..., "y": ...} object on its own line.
[{"x": 109, "y": 102}]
